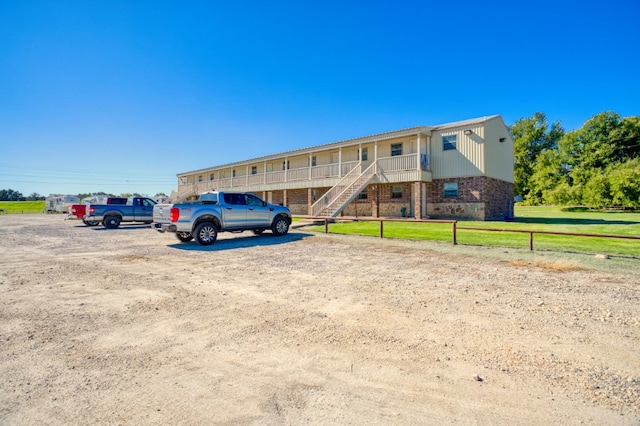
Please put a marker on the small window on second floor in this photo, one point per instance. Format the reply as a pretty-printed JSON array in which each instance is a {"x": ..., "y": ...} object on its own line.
[
  {"x": 313, "y": 161},
  {"x": 448, "y": 142},
  {"x": 396, "y": 149},
  {"x": 233, "y": 173},
  {"x": 211, "y": 176},
  {"x": 199, "y": 178},
  {"x": 254, "y": 170},
  {"x": 365, "y": 154}
]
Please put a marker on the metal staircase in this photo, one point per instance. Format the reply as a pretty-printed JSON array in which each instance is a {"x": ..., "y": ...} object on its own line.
[{"x": 344, "y": 192}]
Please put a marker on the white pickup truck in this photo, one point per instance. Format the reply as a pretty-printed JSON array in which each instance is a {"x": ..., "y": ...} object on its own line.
[{"x": 219, "y": 212}]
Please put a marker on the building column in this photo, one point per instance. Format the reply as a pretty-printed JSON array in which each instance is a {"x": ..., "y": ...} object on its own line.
[
  {"x": 284, "y": 197},
  {"x": 375, "y": 202},
  {"x": 417, "y": 201},
  {"x": 309, "y": 200}
]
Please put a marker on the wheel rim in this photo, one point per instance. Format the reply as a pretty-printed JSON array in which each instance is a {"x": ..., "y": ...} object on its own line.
[
  {"x": 207, "y": 234},
  {"x": 282, "y": 226}
]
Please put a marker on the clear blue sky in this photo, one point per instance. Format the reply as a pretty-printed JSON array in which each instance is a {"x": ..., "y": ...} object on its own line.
[{"x": 120, "y": 96}]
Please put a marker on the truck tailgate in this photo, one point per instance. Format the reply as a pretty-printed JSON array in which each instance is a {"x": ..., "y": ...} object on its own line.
[{"x": 162, "y": 213}]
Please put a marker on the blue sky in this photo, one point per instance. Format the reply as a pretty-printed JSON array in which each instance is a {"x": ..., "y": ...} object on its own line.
[{"x": 120, "y": 96}]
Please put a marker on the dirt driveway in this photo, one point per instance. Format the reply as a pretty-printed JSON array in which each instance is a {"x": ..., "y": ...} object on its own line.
[{"x": 130, "y": 326}]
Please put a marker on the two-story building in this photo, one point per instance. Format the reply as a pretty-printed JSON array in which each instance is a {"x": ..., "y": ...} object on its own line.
[{"x": 461, "y": 170}]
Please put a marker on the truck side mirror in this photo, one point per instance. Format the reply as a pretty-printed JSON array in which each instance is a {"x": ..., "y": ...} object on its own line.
[{"x": 264, "y": 204}]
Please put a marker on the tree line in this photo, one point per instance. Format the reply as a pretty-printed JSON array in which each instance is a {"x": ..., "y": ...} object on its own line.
[
  {"x": 12, "y": 195},
  {"x": 597, "y": 165}
]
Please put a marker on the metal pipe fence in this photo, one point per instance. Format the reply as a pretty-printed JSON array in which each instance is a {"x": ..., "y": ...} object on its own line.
[{"x": 455, "y": 228}]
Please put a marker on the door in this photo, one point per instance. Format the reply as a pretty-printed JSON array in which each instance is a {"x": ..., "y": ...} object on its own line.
[
  {"x": 234, "y": 211},
  {"x": 143, "y": 210},
  {"x": 258, "y": 214}
]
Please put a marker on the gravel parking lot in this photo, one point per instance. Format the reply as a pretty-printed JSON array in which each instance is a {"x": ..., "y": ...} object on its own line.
[{"x": 130, "y": 326}]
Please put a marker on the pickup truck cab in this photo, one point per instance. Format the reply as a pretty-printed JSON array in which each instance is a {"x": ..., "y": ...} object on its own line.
[
  {"x": 219, "y": 212},
  {"x": 137, "y": 209}
]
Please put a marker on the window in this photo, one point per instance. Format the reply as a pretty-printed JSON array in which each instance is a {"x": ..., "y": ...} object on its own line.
[
  {"x": 285, "y": 165},
  {"x": 233, "y": 173},
  {"x": 451, "y": 190},
  {"x": 365, "y": 154},
  {"x": 363, "y": 195},
  {"x": 396, "y": 149},
  {"x": 211, "y": 176},
  {"x": 199, "y": 178},
  {"x": 449, "y": 142},
  {"x": 254, "y": 170},
  {"x": 396, "y": 191},
  {"x": 252, "y": 200},
  {"x": 313, "y": 161},
  {"x": 183, "y": 181}
]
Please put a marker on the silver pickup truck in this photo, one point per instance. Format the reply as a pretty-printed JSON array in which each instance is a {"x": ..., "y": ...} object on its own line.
[{"x": 219, "y": 212}]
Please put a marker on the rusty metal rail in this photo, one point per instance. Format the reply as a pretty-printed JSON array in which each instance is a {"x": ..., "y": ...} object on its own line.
[{"x": 455, "y": 228}]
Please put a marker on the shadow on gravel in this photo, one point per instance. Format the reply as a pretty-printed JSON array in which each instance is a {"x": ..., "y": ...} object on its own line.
[
  {"x": 242, "y": 242},
  {"x": 120, "y": 228}
]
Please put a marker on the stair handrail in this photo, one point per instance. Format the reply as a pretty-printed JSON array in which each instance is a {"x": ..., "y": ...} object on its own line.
[
  {"x": 328, "y": 198},
  {"x": 341, "y": 187},
  {"x": 363, "y": 179}
]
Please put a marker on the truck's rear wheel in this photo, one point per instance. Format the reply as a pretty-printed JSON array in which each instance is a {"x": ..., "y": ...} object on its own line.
[
  {"x": 112, "y": 222},
  {"x": 206, "y": 233},
  {"x": 280, "y": 226},
  {"x": 185, "y": 237}
]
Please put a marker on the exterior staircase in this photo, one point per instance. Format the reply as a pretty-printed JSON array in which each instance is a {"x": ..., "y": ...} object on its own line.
[{"x": 344, "y": 192}]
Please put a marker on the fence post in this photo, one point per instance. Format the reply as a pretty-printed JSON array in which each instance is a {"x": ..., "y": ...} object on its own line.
[
  {"x": 326, "y": 225},
  {"x": 381, "y": 228},
  {"x": 455, "y": 231},
  {"x": 531, "y": 240}
]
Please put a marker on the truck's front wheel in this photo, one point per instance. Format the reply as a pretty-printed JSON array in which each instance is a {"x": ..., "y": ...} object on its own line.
[
  {"x": 280, "y": 226},
  {"x": 206, "y": 233},
  {"x": 185, "y": 237},
  {"x": 112, "y": 222}
]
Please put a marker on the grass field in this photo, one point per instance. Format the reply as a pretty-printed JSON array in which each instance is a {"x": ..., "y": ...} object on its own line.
[
  {"x": 22, "y": 207},
  {"x": 545, "y": 219}
]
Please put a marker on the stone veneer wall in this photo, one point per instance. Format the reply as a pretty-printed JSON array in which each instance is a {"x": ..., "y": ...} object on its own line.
[{"x": 479, "y": 198}]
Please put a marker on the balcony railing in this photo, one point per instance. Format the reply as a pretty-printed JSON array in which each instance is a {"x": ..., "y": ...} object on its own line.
[{"x": 385, "y": 165}]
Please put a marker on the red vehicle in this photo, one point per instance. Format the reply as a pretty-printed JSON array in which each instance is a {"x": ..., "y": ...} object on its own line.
[{"x": 78, "y": 211}]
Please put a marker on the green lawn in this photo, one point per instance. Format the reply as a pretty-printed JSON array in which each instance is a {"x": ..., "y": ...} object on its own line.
[
  {"x": 11, "y": 207},
  {"x": 549, "y": 219}
]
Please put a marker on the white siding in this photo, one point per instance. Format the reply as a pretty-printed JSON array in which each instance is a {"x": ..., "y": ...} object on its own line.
[
  {"x": 498, "y": 155},
  {"x": 466, "y": 160}
]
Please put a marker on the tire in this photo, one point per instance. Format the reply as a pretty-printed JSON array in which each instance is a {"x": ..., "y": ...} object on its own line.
[
  {"x": 111, "y": 222},
  {"x": 90, "y": 222},
  {"x": 205, "y": 233},
  {"x": 280, "y": 226},
  {"x": 185, "y": 237},
  {"x": 258, "y": 231}
]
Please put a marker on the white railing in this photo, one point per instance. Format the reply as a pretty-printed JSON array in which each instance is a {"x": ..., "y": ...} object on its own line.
[
  {"x": 334, "y": 192},
  {"x": 398, "y": 163},
  {"x": 385, "y": 165}
]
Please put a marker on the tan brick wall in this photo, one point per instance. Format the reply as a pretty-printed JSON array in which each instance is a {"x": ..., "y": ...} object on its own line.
[{"x": 297, "y": 200}]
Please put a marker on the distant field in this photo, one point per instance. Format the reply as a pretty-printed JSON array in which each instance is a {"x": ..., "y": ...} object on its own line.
[
  {"x": 550, "y": 219},
  {"x": 11, "y": 207}
]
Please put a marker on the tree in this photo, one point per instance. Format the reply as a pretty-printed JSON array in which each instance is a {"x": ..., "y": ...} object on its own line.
[
  {"x": 624, "y": 184},
  {"x": 35, "y": 197},
  {"x": 11, "y": 195},
  {"x": 532, "y": 137}
]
